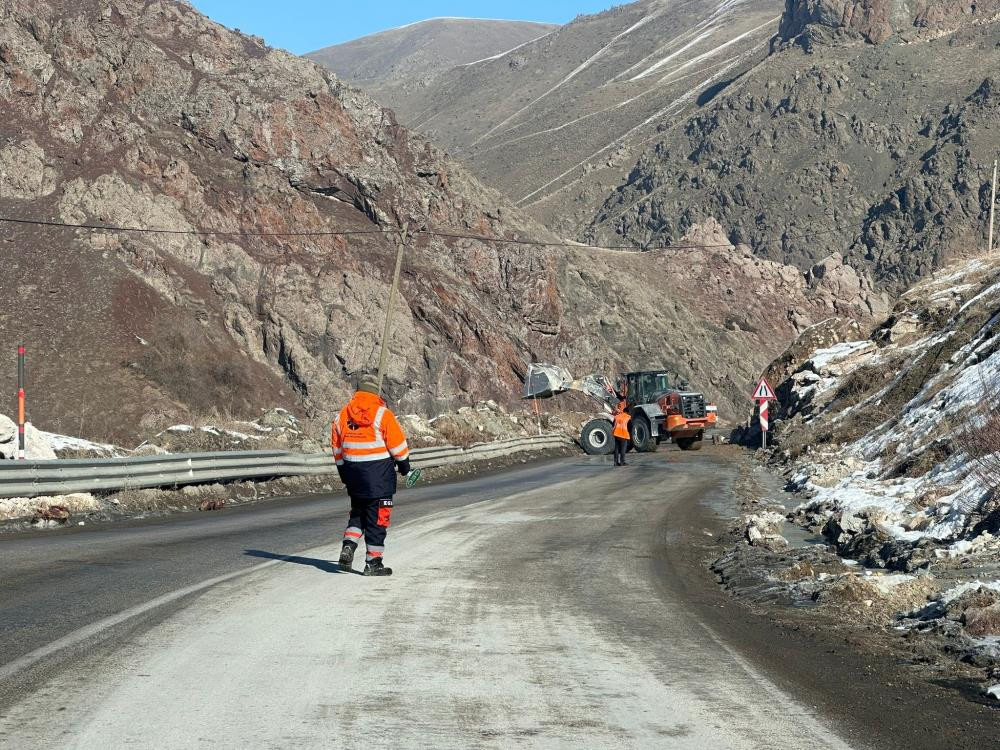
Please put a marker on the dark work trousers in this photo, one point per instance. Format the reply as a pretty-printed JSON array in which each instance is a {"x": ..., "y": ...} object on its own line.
[
  {"x": 370, "y": 519},
  {"x": 621, "y": 444}
]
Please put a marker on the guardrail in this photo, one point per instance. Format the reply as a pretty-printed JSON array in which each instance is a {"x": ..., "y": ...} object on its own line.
[{"x": 64, "y": 476}]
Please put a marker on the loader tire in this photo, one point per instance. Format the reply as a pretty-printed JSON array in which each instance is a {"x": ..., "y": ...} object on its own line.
[
  {"x": 642, "y": 436},
  {"x": 596, "y": 439},
  {"x": 689, "y": 443}
]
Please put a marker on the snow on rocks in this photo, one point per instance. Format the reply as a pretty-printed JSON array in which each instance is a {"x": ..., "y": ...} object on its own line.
[
  {"x": 881, "y": 437},
  {"x": 275, "y": 428},
  {"x": 45, "y": 446},
  {"x": 764, "y": 529},
  {"x": 37, "y": 446},
  {"x": 968, "y": 616},
  {"x": 48, "y": 511},
  {"x": 66, "y": 444},
  {"x": 840, "y": 358},
  {"x": 870, "y": 427}
]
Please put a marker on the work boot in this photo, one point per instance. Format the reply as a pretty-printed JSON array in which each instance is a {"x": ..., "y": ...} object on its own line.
[
  {"x": 347, "y": 557},
  {"x": 374, "y": 567}
]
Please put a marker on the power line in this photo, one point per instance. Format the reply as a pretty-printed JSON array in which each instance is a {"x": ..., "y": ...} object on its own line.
[
  {"x": 357, "y": 232},
  {"x": 192, "y": 232},
  {"x": 563, "y": 243}
]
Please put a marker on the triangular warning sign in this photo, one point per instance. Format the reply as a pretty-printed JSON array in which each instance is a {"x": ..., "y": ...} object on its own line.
[{"x": 764, "y": 391}]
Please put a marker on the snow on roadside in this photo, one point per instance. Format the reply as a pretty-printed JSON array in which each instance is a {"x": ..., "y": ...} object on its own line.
[
  {"x": 901, "y": 461},
  {"x": 877, "y": 434},
  {"x": 68, "y": 443},
  {"x": 947, "y": 597}
]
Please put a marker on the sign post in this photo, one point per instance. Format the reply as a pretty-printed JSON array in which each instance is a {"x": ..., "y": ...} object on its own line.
[
  {"x": 20, "y": 404},
  {"x": 764, "y": 394}
]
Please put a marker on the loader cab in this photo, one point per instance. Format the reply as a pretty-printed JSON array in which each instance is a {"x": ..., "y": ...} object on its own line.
[{"x": 646, "y": 387}]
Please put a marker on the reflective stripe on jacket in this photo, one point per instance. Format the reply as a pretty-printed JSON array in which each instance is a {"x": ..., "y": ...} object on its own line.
[
  {"x": 367, "y": 443},
  {"x": 621, "y": 425}
]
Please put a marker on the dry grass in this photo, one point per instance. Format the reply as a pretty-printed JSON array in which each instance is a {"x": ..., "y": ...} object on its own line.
[
  {"x": 459, "y": 433},
  {"x": 184, "y": 367},
  {"x": 864, "y": 382},
  {"x": 923, "y": 462},
  {"x": 977, "y": 433}
]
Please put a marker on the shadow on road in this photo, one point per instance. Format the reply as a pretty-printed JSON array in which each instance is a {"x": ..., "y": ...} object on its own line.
[{"x": 325, "y": 565}]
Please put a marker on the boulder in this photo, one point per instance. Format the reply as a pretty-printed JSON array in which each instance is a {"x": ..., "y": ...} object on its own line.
[
  {"x": 8, "y": 434},
  {"x": 982, "y": 621},
  {"x": 37, "y": 446},
  {"x": 763, "y": 530},
  {"x": 876, "y": 21}
]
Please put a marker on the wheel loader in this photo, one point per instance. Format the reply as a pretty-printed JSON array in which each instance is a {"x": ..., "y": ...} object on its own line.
[{"x": 661, "y": 405}]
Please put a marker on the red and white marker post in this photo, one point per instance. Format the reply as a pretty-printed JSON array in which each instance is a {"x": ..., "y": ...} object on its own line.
[
  {"x": 20, "y": 404},
  {"x": 764, "y": 394}
]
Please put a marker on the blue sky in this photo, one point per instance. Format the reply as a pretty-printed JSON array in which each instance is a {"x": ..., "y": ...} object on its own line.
[{"x": 302, "y": 26}]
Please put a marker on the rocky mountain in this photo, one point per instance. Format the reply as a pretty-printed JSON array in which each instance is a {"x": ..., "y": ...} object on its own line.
[
  {"x": 396, "y": 64},
  {"x": 808, "y": 128},
  {"x": 556, "y": 123},
  {"x": 147, "y": 115},
  {"x": 241, "y": 168},
  {"x": 867, "y": 133}
]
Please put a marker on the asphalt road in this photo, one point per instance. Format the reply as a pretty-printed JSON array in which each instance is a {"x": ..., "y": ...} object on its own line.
[{"x": 527, "y": 610}]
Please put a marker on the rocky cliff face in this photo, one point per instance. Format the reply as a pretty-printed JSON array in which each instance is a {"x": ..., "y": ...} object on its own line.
[
  {"x": 834, "y": 145},
  {"x": 878, "y": 20},
  {"x": 146, "y": 114},
  {"x": 714, "y": 311}
]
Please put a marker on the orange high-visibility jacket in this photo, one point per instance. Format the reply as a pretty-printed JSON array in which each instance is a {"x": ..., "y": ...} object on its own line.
[
  {"x": 367, "y": 443},
  {"x": 621, "y": 425}
]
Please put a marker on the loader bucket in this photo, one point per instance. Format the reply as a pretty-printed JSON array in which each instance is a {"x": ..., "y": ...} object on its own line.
[{"x": 545, "y": 381}]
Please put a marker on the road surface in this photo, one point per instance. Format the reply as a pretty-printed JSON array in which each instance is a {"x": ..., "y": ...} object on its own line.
[{"x": 530, "y": 609}]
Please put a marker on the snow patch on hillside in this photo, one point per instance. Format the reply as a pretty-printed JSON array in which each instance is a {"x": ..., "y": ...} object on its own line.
[{"x": 901, "y": 402}]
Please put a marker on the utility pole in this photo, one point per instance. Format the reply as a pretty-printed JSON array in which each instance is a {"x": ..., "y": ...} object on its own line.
[
  {"x": 993, "y": 203},
  {"x": 400, "y": 245}
]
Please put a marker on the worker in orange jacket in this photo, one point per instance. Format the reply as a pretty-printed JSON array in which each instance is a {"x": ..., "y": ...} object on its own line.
[
  {"x": 369, "y": 447},
  {"x": 621, "y": 433}
]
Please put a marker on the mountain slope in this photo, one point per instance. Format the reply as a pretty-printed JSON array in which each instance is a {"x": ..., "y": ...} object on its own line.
[
  {"x": 396, "y": 63},
  {"x": 556, "y": 123},
  {"x": 837, "y": 145},
  {"x": 146, "y": 115}
]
